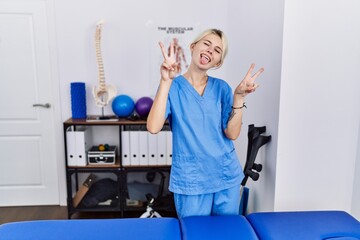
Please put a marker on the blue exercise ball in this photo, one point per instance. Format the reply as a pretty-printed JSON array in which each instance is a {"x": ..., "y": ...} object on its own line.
[{"x": 123, "y": 105}]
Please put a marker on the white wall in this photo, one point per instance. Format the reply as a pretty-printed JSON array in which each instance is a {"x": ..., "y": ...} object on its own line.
[
  {"x": 319, "y": 105},
  {"x": 256, "y": 36},
  {"x": 355, "y": 208},
  {"x": 125, "y": 42}
]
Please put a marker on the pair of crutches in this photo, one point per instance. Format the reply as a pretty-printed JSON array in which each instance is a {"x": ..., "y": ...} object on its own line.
[{"x": 255, "y": 141}]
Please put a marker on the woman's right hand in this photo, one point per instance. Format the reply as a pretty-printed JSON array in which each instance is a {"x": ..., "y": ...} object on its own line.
[{"x": 169, "y": 67}]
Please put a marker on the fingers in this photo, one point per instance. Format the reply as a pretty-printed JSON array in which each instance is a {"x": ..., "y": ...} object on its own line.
[
  {"x": 166, "y": 66},
  {"x": 245, "y": 88},
  {"x": 252, "y": 87},
  {"x": 172, "y": 49},
  {"x": 248, "y": 74},
  {"x": 258, "y": 73},
  {"x": 163, "y": 50},
  {"x": 170, "y": 67},
  {"x": 167, "y": 54}
]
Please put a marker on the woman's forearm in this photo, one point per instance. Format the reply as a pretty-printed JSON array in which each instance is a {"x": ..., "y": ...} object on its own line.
[
  {"x": 156, "y": 117},
  {"x": 235, "y": 119}
]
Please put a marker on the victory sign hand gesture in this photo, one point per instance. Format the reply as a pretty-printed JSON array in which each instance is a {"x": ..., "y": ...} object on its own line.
[
  {"x": 248, "y": 85},
  {"x": 169, "y": 67}
]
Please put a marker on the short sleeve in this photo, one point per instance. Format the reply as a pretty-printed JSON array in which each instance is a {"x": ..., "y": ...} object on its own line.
[{"x": 226, "y": 103}]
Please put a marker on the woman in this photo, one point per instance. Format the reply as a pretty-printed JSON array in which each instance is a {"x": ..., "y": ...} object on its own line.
[{"x": 204, "y": 117}]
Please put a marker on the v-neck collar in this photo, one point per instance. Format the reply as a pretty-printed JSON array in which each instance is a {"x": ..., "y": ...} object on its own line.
[{"x": 193, "y": 90}]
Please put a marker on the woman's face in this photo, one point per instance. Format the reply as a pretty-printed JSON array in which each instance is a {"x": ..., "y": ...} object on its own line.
[{"x": 207, "y": 52}]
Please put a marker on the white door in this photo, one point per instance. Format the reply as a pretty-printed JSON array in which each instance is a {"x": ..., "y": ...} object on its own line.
[{"x": 28, "y": 167}]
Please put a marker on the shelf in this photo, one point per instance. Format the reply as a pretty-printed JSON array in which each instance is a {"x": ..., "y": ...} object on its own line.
[
  {"x": 99, "y": 208},
  {"x": 121, "y": 121},
  {"x": 73, "y": 178},
  {"x": 117, "y": 166},
  {"x": 147, "y": 167},
  {"x": 94, "y": 166}
]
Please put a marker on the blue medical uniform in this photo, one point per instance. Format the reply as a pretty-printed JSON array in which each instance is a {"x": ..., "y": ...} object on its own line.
[{"x": 204, "y": 159}]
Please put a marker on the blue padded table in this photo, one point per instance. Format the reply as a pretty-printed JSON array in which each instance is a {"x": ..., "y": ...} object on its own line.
[
  {"x": 131, "y": 228},
  {"x": 217, "y": 228},
  {"x": 307, "y": 225}
]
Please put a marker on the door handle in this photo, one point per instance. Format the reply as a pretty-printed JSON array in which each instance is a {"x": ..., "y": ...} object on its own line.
[{"x": 46, "y": 105}]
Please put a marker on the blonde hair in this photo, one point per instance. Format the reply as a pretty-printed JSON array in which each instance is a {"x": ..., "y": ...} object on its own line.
[{"x": 222, "y": 36}]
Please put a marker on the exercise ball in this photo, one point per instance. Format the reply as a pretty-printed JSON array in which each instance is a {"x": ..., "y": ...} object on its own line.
[
  {"x": 143, "y": 106},
  {"x": 123, "y": 106}
]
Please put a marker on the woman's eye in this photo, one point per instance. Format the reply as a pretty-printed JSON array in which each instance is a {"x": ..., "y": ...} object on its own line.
[
  {"x": 217, "y": 51},
  {"x": 207, "y": 44}
]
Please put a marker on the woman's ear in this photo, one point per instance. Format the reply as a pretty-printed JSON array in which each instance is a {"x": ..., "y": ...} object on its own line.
[{"x": 192, "y": 47}]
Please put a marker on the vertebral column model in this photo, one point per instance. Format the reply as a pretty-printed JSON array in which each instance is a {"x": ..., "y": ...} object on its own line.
[{"x": 104, "y": 93}]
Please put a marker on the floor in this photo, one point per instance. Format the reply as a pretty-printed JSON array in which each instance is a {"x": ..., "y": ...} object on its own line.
[{"x": 14, "y": 214}]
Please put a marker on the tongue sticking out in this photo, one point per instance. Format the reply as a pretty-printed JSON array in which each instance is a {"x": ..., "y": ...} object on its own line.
[{"x": 204, "y": 59}]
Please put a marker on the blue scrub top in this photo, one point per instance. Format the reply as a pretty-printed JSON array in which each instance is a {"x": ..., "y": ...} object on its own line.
[{"x": 204, "y": 159}]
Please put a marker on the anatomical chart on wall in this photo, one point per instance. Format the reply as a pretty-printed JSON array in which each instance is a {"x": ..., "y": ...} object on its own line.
[{"x": 181, "y": 36}]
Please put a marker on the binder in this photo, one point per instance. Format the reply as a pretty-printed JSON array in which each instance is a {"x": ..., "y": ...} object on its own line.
[
  {"x": 125, "y": 148},
  {"x": 168, "y": 147},
  {"x": 134, "y": 148},
  {"x": 152, "y": 149},
  {"x": 77, "y": 143},
  {"x": 82, "y": 144},
  {"x": 161, "y": 148},
  {"x": 70, "y": 147},
  {"x": 143, "y": 148}
]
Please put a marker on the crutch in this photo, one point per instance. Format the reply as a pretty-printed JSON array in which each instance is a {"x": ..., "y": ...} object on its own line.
[{"x": 252, "y": 169}]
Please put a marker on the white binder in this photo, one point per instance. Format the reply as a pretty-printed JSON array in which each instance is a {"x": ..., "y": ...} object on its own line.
[
  {"x": 161, "y": 148},
  {"x": 82, "y": 140},
  {"x": 143, "y": 148},
  {"x": 134, "y": 148},
  {"x": 77, "y": 144},
  {"x": 125, "y": 148},
  {"x": 70, "y": 147},
  {"x": 168, "y": 147},
  {"x": 152, "y": 149}
]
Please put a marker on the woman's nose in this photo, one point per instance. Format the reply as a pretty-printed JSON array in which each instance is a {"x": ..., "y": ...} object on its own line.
[{"x": 209, "y": 51}]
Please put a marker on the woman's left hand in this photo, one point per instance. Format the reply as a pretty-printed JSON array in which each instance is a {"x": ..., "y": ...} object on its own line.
[{"x": 248, "y": 85}]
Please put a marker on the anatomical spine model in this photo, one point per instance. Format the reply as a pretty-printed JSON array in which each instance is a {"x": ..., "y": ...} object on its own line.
[{"x": 104, "y": 93}]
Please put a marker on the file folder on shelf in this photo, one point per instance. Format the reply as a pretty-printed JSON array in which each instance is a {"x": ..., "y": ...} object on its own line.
[
  {"x": 134, "y": 148},
  {"x": 70, "y": 147},
  {"x": 168, "y": 147},
  {"x": 143, "y": 148},
  {"x": 161, "y": 148},
  {"x": 82, "y": 140},
  {"x": 77, "y": 143},
  {"x": 125, "y": 148},
  {"x": 152, "y": 149}
]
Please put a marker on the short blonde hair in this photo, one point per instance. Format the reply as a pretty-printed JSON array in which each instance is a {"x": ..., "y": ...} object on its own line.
[{"x": 222, "y": 36}]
